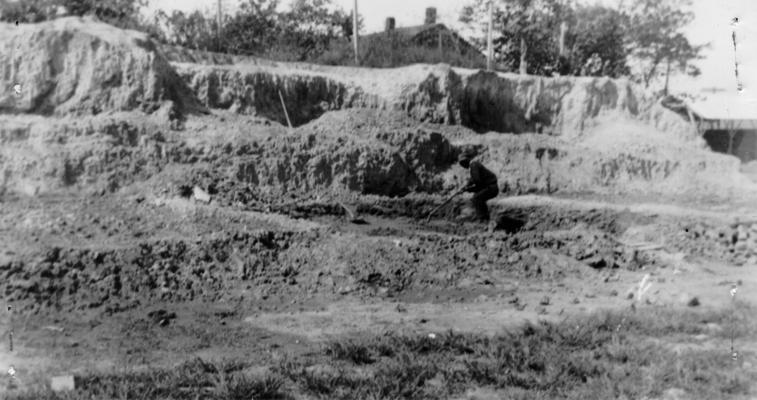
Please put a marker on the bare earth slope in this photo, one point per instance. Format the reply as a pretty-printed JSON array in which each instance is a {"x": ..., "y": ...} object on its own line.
[
  {"x": 563, "y": 106},
  {"x": 79, "y": 65},
  {"x": 581, "y": 134}
]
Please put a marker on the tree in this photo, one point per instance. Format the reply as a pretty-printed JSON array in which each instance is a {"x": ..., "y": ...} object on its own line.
[
  {"x": 532, "y": 26},
  {"x": 259, "y": 28},
  {"x": 526, "y": 32},
  {"x": 27, "y": 11},
  {"x": 193, "y": 31},
  {"x": 527, "y": 37},
  {"x": 121, "y": 13},
  {"x": 656, "y": 40},
  {"x": 253, "y": 29},
  {"x": 596, "y": 42},
  {"x": 310, "y": 26}
]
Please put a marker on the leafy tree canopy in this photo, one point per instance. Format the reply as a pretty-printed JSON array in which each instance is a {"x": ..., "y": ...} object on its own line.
[
  {"x": 657, "y": 39},
  {"x": 121, "y": 13},
  {"x": 644, "y": 39}
]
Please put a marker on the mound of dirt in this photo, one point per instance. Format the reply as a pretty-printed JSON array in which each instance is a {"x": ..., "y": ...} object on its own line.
[
  {"x": 235, "y": 159},
  {"x": 616, "y": 156},
  {"x": 316, "y": 158},
  {"x": 42, "y": 154},
  {"x": 425, "y": 92},
  {"x": 482, "y": 101},
  {"x": 82, "y": 66},
  {"x": 253, "y": 161},
  {"x": 558, "y": 106}
]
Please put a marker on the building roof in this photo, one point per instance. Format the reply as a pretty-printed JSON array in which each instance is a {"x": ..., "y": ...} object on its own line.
[
  {"x": 725, "y": 107},
  {"x": 724, "y": 112},
  {"x": 411, "y": 31}
]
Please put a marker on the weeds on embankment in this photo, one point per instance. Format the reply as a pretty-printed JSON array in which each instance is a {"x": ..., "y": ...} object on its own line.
[{"x": 625, "y": 354}]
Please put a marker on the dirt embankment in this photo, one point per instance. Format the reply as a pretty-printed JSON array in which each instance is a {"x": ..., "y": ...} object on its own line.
[
  {"x": 614, "y": 157},
  {"x": 79, "y": 65},
  {"x": 241, "y": 159},
  {"x": 424, "y": 92},
  {"x": 248, "y": 160},
  {"x": 83, "y": 66},
  {"x": 43, "y": 154},
  {"x": 482, "y": 101},
  {"x": 372, "y": 148}
]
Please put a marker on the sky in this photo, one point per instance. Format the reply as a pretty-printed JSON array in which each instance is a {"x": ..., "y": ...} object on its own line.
[{"x": 712, "y": 24}]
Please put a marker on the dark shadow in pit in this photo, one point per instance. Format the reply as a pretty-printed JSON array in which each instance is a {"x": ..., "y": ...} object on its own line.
[
  {"x": 742, "y": 143},
  {"x": 508, "y": 223}
]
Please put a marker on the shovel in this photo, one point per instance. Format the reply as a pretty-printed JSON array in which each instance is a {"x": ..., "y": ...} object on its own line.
[
  {"x": 352, "y": 214},
  {"x": 444, "y": 203}
]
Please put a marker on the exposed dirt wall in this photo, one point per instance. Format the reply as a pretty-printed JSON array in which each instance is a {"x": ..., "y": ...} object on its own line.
[
  {"x": 556, "y": 106},
  {"x": 82, "y": 66},
  {"x": 251, "y": 159},
  {"x": 75, "y": 65},
  {"x": 614, "y": 157},
  {"x": 482, "y": 101},
  {"x": 41, "y": 154},
  {"x": 425, "y": 92}
]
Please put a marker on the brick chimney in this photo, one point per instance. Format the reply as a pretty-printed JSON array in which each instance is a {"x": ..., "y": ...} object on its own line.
[
  {"x": 389, "y": 25},
  {"x": 430, "y": 16}
]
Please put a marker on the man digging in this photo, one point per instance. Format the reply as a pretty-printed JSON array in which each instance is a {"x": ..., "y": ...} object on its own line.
[{"x": 483, "y": 183}]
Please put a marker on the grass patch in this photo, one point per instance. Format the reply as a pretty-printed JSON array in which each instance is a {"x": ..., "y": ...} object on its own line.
[
  {"x": 196, "y": 379},
  {"x": 604, "y": 355}
]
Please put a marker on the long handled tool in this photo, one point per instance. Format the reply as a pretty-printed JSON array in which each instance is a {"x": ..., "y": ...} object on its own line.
[
  {"x": 439, "y": 207},
  {"x": 352, "y": 214}
]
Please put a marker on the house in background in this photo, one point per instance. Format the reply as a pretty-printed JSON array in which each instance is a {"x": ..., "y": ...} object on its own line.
[{"x": 430, "y": 42}]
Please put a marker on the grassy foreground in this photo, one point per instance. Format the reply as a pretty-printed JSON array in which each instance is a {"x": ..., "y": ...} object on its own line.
[{"x": 609, "y": 355}]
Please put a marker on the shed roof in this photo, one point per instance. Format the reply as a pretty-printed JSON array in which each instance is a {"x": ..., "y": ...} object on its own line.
[
  {"x": 410, "y": 32},
  {"x": 725, "y": 112},
  {"x": 725, "y": 107}
]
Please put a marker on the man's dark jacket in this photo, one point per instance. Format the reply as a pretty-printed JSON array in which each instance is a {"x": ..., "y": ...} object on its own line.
[{"x": 480, "y": 177}]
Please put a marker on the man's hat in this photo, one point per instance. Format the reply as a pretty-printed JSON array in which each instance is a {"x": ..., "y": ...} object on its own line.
[{"x": 467, "y": 154}]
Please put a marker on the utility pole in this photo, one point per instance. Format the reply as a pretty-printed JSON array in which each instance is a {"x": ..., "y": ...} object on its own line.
[
  {"x": 489, "y": 45},
  {"x": 218, "y": 30},
  {"x": 354, "y": 33},
  {"x": 523, "y": 69}
]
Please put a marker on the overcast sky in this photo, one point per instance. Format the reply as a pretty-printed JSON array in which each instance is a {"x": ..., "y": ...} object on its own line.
[{"x": 713, "y": 24}]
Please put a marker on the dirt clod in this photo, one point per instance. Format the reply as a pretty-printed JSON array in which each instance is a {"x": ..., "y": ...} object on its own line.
[{"x": 161, "y": 317}]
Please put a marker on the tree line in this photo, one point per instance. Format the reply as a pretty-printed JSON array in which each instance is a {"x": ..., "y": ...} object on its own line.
[{"x": 643, "y": 39}]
